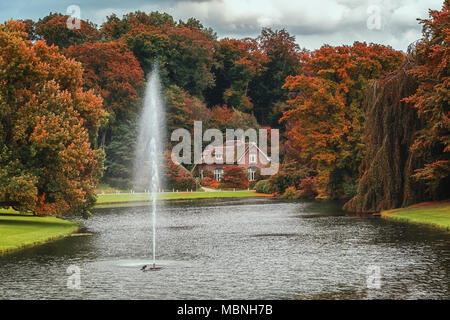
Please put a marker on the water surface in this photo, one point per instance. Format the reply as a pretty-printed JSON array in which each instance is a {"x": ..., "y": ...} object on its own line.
[{"x": 236, "y": 249}]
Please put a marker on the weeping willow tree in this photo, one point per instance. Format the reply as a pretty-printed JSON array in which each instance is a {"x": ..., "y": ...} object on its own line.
[
  {"x": 391, "y": 125},
  {"x": 407, "y": 130}
]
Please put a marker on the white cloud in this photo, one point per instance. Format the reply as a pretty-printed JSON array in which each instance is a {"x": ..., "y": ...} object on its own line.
[{"x": 313, "y": 22}]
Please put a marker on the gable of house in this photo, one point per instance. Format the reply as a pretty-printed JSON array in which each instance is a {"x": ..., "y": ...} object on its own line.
[{"x": 246, "y": 155}]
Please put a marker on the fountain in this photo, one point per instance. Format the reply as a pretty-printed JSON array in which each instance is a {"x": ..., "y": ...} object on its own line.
[{"x": 150, "y": 149}]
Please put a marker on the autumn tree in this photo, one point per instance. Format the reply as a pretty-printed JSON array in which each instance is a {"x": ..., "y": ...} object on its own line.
[
  {"x": 432, "y": 144},
  {"x": 238, "y": 62},
  {"x": 115, "y": 28},
  {"x": 183, "y": 109},
  {"x": 184, "y": 50},
  {"x": 30, "y": 28},
  {"x": 325, "y": 119},
  {"x": 53, "y": 29},
  {"x": 250, "y": 73},
  {"x": 112, "y": 71},
  {"x": 283, "y": 60},
  {"x": 48, "y": 124}
]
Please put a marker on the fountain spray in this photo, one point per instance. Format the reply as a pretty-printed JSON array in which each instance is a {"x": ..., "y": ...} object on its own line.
[{"x": 150, "y": 147}]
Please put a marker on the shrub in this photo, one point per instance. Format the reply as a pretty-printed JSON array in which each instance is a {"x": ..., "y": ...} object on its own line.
[
  {"x": 208, "y": 174},
  {"x": 234, "y": 177},
  {"x": 290, "y": 175},
  {"x": 308, "y": 188},
  {"x": 178, "y": 178},
  {"x": 263, "y": 186},
  {"x": 210, "y": 182},
  {"x": 184, "y": 183},
  {"x": 291, "y": 194}
]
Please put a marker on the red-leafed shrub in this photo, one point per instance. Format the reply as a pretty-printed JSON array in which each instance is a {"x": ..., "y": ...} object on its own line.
[
  {"x": 210, "y": 182},
  {"x": 308, "y": 188},
  {"x": 178, "y": 178},
  {"x": 234, "y": 178}
]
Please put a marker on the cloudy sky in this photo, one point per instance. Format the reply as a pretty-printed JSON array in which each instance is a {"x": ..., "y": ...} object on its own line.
[{"x": 313, "y": 22}]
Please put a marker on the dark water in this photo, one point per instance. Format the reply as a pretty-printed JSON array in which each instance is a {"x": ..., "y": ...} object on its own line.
[{"x": 222, "y": 249}]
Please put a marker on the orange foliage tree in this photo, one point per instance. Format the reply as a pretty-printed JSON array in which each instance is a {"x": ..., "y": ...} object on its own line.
[
  {"x": 53, "y": 29},
  {"x": 47, "y": 126},
  {"x": 325, "y": 120},
  {"x": 111, "y": 69}
]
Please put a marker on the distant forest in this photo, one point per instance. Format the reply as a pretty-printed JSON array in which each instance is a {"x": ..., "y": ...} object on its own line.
[{"x": 363, "y": 123}]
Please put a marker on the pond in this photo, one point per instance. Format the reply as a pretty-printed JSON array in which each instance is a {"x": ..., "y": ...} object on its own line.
[{"x": 236, "y": 249}]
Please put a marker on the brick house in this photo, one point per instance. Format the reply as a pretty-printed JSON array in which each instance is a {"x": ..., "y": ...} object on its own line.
[{"x": 247, "y": 155}]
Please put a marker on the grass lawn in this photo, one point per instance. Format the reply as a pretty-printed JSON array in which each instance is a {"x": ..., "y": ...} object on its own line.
[
  {"x": 128, "y": 197},
  {"x": 436, "y": 214},
  {"x": 22, "y": 231}
]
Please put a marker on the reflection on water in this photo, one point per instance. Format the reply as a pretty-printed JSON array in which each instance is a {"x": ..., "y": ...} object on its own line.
[{"x": 249, "y": 249}]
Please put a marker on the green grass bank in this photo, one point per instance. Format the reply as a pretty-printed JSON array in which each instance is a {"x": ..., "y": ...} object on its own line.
[
  {"x": 17, "y": 232},
  {"x": 436, "y": 214},
  {"x": 110, "y": 200}
]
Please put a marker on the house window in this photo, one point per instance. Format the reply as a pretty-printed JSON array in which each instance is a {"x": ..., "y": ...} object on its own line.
[
  {"x": 252, "y": 157},
  {"x": 219, "y": 156},
  {"x": 251, "y": 174},
  {"x": 218, "y": 172}
]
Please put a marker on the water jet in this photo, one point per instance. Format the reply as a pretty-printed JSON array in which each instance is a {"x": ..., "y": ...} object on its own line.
[{"x": 150, "y": 148}]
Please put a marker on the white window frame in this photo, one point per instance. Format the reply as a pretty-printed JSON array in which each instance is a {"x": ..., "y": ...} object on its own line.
[
  {"x": 252, "y": 158},
  {"x": 218, "y": 173},
  {"x": 251, "y": 174}
]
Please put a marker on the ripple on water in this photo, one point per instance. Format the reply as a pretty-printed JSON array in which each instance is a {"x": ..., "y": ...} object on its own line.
[{"x": 246, "y": 249}]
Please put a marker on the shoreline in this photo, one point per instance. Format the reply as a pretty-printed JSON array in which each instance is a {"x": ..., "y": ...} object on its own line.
[
  {"x": 24, "y": 231},
  {"x": 21, "y": 232},
  {"x": 140, "y": 199},
  {"x": 431, "y": 214}
]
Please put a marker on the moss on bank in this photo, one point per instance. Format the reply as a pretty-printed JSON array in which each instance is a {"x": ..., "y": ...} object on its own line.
[{"x": 436, "y": 214}]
